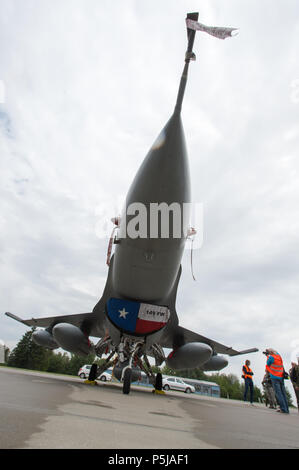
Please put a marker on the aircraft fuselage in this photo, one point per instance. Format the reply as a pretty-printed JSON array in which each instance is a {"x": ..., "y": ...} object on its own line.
[{"x": 146, "y": 267}]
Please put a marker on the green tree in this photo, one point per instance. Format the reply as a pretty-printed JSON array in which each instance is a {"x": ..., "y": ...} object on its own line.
[
  {"x": 28, "y": 355},
  {"x": 58, "y": 362},
  {"x": 230, "y": 386},
  {"x": 76, "y": 361},
  {"x": 289, "y": 397},
  {"x": 167, "y": 371},
  {"x": 196, "y": 374}
]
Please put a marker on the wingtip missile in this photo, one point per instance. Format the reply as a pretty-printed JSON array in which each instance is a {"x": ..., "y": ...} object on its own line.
[{"x": 245, "y": 351}]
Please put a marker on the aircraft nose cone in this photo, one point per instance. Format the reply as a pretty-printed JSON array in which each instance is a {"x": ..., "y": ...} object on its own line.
[{"x": 164, "y": 173}]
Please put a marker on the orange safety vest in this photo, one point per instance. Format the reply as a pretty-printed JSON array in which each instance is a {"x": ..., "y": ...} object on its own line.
[
  {"x": 276, "y": 367},
  {"x": 247, "y": 376}
]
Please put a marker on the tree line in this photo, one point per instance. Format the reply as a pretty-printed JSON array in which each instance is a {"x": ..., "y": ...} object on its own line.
[{"x": 28, "y": 355}]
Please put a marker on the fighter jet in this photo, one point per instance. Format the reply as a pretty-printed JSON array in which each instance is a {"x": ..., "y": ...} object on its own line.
[{"x": 136, "y": 316}]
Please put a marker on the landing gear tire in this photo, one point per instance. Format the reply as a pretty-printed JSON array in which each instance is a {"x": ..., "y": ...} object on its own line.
[
  {"x": 93, "y": 372},
  {"x": 158, "y": 382},
  {"x": 127, "y": 381}
]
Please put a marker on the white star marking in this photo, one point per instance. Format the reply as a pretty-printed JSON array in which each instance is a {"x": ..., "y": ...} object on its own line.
[{"x": 123, "y": 313}]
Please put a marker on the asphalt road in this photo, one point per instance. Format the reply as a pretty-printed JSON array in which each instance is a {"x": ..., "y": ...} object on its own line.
[{"x": 48, "y": 411}]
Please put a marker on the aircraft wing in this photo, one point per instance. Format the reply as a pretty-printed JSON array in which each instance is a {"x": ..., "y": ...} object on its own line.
[
  {"x": 87, "y": 321},
  {"x": 219, "y": 348},
  {"x": 181, "y": 335},
  {"x": 91, "y": 323}
]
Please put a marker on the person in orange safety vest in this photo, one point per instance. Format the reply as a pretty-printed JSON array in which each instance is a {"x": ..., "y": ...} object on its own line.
[
  {"x": 274, "y": 366},
  {"x": 247, "y": 376}
]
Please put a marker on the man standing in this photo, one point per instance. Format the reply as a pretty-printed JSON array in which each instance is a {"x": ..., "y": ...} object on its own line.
[
  {"x": 275, "y": 368},
  {"x": 247, "y": 375},
  {"x": 294, "y": 376},
  {"x": 269, "y": 391}
]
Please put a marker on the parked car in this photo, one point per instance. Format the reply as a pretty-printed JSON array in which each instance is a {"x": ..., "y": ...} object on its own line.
[
  {"x": 174, "y": 383},
  {"x": 84, "y": 373},
  {"x": 105, "y": 377}
]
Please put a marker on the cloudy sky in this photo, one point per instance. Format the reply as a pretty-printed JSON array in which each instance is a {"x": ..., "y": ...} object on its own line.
[{"x": 85, "y": 88}]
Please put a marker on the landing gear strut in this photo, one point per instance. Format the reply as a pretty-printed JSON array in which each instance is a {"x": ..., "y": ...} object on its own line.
[
  {"x": 127, "y": 355},
  {"x": 93, "y": 373},
  {"x": 131, "y": 352},
  {"x": 158, "y": 382}
]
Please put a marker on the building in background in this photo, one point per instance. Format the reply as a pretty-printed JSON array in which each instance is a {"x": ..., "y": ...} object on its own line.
[
  {"x": 202, "y": 387},
  {"x": 2, "y": 352}
]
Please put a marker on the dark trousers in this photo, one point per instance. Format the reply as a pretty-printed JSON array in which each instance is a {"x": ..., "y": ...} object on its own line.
[
  {"x": 248, "y": 385},
  {"x": 279, "y": 389},
  {"x": 296, "y": 390}
]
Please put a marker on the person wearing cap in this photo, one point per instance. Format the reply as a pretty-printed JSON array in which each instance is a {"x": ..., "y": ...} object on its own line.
[
  {"x": 274, "y": 366},
  {"x": 294, "y": 376},
  {"x": 247, "y": 375}
]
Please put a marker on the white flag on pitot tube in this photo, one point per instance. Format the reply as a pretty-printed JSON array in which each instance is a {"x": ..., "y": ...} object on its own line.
[{"x": 218, "y": 32}]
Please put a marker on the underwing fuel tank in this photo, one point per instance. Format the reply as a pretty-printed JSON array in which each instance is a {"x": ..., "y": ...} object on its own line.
[
  {"x": 215, "y": 363},
  {"x": 72, "y": 339},
  {"x": 189, "y": 356},
  {"x": 45, "y": 339}
]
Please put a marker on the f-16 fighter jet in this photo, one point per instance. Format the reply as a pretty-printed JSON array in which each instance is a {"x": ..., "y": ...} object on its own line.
[{"x": 136, "y": 316}]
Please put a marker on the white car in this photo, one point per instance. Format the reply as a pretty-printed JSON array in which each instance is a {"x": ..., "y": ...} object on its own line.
[
  {"x": 174, "y": 383},
  {"x": 84, "y": 373}
]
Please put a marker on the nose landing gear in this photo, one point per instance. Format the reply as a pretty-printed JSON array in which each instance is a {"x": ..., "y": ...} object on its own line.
[{"x": 128, "y": 356}]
